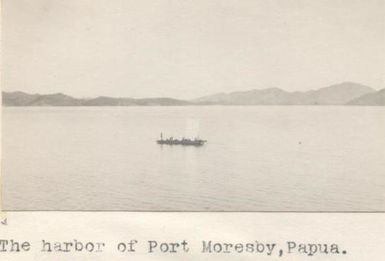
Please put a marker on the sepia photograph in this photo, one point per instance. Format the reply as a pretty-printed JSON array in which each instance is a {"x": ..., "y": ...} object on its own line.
[{"x": 204, "y": 105}]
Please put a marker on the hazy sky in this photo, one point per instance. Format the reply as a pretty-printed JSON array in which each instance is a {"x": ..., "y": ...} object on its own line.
[{"x": 189, "y": 48}]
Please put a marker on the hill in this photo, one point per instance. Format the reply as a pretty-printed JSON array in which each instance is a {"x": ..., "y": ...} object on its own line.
[
  {"x": 373, "y": 99},
  {"x": 25, "y": 99}
]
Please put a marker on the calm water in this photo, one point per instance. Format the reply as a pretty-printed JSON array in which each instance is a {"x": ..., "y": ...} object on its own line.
[{"x": 257, "y": 158}]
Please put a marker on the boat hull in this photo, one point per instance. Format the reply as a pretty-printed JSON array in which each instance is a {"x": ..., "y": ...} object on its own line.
[{"x": 182, "y": 142}]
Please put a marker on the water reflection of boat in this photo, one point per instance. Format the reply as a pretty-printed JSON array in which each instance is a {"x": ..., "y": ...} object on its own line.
[{"x": 183, "y": 141}]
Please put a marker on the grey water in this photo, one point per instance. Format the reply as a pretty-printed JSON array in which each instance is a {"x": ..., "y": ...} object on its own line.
[{"x": 258, "y": 158}]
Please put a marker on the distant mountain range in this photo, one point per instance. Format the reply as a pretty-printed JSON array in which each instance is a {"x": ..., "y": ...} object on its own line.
[
  {"x": 59, "y": 99},
  {"x": 339, "y": 94},
  {"x": 347, "y": 93}
]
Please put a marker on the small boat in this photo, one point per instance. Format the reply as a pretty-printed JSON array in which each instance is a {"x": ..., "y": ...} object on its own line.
[{"x": 183, "y": 141}]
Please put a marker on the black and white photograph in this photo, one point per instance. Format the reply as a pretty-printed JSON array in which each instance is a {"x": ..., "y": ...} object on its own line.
[{"x": 193, "y": 106}]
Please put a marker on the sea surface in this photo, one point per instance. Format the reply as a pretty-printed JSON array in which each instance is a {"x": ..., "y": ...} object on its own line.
[{"x": 258, "y": 158}]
